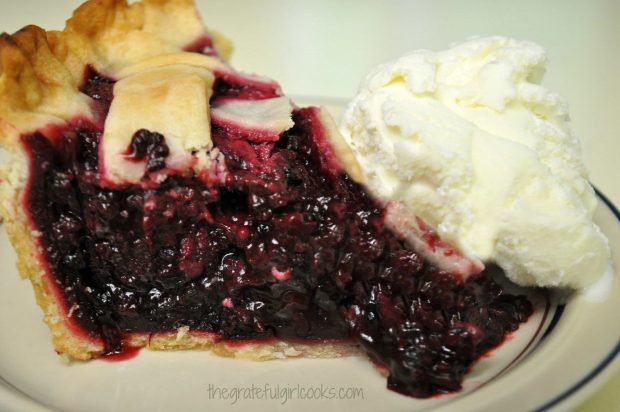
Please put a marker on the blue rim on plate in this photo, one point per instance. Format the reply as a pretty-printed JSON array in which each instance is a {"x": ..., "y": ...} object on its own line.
[
  {"x": 611, "y": 356},
  {"x": 607, "y": 360}
]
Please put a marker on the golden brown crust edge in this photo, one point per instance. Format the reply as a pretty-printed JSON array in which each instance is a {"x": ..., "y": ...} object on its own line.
[
  {"x": 185, "y": 339},
  {"x": 24, "y": 241},
  {"x": 39, "y": 77}
]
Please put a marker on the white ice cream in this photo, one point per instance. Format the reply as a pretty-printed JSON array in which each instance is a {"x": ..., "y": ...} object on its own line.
[{"x": 470, "y": 142}]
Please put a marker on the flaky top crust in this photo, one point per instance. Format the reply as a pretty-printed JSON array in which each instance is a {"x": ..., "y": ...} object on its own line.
[{"x": 41, "y": 71}]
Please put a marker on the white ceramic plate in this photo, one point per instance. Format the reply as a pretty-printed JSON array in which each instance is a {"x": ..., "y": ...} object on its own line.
[{"x": 552, "y": 362}]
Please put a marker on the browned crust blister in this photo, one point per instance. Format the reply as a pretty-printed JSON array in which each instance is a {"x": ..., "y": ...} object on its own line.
[
  {"x": 36, "y": 89},
  {"x": 40, "y": 74}
]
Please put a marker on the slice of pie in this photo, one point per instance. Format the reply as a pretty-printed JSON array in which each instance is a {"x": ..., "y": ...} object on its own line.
[{"x": 158, "y": 198}]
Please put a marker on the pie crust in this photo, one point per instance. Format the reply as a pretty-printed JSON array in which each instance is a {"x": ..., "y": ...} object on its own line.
[{"x": 41, "y": 72}]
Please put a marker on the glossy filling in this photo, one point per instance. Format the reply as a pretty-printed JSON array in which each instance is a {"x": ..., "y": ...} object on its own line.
[{"x": 282, "y": 246}]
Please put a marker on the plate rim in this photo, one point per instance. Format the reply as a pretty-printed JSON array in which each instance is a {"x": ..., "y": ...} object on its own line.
[
  {"x": 578, "y": 392},
  {"x": 589, "y": 383}
]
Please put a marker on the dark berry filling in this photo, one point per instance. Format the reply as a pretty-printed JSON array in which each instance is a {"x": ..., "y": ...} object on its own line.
[
  {"x": 99, "y": 88},
  {"x": 149, "y": 146},
  {"x": 228, "y": 85},
  {"x": 286, "y": 247}
]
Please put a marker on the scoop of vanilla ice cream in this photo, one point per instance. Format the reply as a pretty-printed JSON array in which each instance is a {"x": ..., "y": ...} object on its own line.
[{"x": 468, "y": 141}]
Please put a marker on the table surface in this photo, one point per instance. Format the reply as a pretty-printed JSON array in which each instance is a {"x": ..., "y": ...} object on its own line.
[{"x": 323, "y": 48}]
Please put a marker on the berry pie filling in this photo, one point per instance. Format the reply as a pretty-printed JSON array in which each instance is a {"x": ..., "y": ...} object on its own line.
[{"x": 270, "y": 240}]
